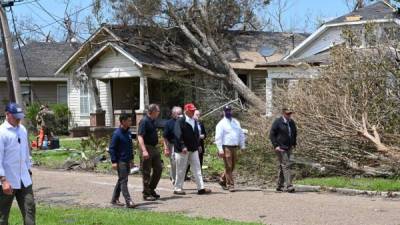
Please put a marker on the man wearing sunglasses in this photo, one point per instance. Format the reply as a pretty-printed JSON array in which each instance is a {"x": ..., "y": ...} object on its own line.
[{"x": 283, "y": 137}]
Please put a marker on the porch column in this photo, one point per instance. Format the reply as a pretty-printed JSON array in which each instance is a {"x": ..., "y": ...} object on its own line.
[
  {"x": 143, "y": 98},
  {"x": 268, "y": 96}
]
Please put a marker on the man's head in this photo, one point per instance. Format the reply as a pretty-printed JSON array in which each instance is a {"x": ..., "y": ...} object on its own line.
[
  {"x": 197, "y": 115},
  {"x": 14, "y": 113},
  {"x": 153, "y": 111},
  {"x": 125, "y": 120},
  {"x": 228, "y": 112},
  {"x": 287, "y": 113},
  {"x": 176, "y": 112},
  {"x": 190, "y": 109}
]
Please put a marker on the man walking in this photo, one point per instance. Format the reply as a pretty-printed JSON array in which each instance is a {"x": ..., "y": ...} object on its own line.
[
  {"x": 169, "y": 140},
  {"x": 15, "y": 164},
  {"x": 283, "y": 137},
  {"x": 186, "y": 151},
  {"x": 151, "y": 157},
  {"x": 121, "y": 152},
  {"x": 229, "y": 137}
]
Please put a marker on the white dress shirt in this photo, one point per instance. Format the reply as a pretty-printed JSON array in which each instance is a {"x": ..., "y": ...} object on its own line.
[
  {"x": 14, "y": 155},
  {"x": 229, "y": 132}
]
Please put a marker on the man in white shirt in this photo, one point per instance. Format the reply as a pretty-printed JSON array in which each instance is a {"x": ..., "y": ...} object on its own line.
[
  {"x": 229, "y": 137},
  {"x": 15, "y": 164}
]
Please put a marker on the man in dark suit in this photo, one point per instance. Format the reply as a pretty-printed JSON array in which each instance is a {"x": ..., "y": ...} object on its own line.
[
  {"x": 283, "y": 137},
  {"x": 187, "y": 142}
]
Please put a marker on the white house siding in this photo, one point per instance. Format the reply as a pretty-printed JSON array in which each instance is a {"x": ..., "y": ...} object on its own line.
[
  {"x": 74, "y": 106},
  {"x": 114, "y": 65},
  {"x": 331, "y": 36}
]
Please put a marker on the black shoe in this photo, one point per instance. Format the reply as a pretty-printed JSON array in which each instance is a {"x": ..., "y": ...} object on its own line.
[
  {"x": 279, "y": 189},
  {"x": 223, "y": 185},
  {"x": 203, "y": 191},
  {"x": 290, "y": 189},
  {"x": 149, "y": 198},
  {"x": 117, "y": 203},
  {"x": 130, "y": 204},
  {"x": 154, "y": 194}
]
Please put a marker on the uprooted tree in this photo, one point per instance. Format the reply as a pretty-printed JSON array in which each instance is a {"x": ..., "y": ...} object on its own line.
[
  {"x": 194, "y": 33},
  {"x": 349, "y": 118}
]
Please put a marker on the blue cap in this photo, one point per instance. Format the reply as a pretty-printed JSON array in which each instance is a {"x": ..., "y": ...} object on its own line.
[{"x": 16, "y": 110}]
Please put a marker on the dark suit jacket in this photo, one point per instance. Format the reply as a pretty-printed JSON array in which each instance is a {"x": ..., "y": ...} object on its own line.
[
  {"x": 185, "y": 136},
  {"x": 203, "y": 132},
  {"x": 279, "y": 134}
]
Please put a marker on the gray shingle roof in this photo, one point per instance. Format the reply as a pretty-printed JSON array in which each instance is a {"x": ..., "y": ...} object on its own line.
[
  {"x": 42, "y": 58},
  {"x": 377, "y": 10},
  {"x": 323, "y": 58}
]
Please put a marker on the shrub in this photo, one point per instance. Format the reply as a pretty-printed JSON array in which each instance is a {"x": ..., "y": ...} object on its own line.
[
  {"x": 31, "y": 112},
  {"x": 62, "y": 116}
]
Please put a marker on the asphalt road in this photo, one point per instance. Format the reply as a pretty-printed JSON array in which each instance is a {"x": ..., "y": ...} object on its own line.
[{"x": 247, "y": 204}]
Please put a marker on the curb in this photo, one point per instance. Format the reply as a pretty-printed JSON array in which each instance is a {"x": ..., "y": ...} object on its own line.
[{"x": 347, "y": 191}]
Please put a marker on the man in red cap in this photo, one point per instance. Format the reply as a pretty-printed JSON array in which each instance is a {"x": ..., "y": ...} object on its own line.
[{"x": 187, "y": 144}]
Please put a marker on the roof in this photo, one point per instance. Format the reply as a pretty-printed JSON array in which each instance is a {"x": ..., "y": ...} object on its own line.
[
  {"x": 42, "y": 59},
  {"x": 377, "y": 10},
  {"x": 242, "y": 51},
  {"x": 323, "y": 58}
]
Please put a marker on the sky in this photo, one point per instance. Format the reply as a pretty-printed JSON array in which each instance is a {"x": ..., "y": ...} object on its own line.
[{"x": 301, "y": 16}]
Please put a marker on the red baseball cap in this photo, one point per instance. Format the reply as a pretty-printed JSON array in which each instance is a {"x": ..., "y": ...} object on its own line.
[{"x": 190, "y": 107}]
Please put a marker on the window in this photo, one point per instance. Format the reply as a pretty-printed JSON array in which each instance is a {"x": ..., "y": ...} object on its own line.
[
  {"x": 26, "y": 94},
  {"x": 62, "y": 94},
  {"x": 84, "y": 101}
]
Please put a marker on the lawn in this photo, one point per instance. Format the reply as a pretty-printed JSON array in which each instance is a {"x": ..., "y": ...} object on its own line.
[
  {"x": 369, "y": 184},
  {"x": 53, "y": 159},
  {"x": 95, "y": 216}
]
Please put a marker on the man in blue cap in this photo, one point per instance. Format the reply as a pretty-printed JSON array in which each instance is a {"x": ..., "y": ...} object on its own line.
[{"x": 15, "y": 164}]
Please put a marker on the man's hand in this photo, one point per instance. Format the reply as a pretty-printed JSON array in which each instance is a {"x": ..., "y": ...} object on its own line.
[
  {"x": 221, "y": 154},
  {"x": 202, "y": 136},
  {"x": 278, "y": 149},
  {"x": 115, "y": 166},
  {"x": 7, "y": 190},
  {"x": 200, "y": 149},
  {"x": 145, "y": 154},
  {"x": 184, "y": 151}
]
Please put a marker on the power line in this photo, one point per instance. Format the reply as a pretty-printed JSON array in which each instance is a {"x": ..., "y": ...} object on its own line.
[
  {"x": 25, "y": 3},
  {"x": 57, "y": 21},
  {"x": 22, "y": 57}
]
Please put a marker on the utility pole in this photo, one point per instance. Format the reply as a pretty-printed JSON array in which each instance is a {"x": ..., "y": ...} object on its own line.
[
  {"x": 10, "y": 52},
  {"x": 10, "y": 87}
]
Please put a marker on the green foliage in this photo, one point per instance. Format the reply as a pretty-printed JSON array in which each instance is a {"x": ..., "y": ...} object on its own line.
[
  {"x": 84, "y": 216},
  {"x": 62, "y": 116},
  {"x": 91, "y": 150},
  {"x": 369, "y": 184},
  {"x": 53, "y": 159},
  {"x": 31, "y": 112}
]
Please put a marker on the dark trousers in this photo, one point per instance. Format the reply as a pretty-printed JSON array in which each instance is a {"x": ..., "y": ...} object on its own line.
[
  {"x": 122, "y": 183},
  {"x": 284, "y": 176},
  {"x": 26, "y": 203},
  {"x": 151, "y": 170}
]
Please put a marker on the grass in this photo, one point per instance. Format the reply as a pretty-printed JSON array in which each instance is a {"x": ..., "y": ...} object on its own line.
[
  {"x": 369, "y": 184},
  {"x": 53, "y": 159},
  {"x": 94, "y": 216}
]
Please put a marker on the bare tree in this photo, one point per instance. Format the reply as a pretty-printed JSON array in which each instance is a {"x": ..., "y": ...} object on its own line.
[{"x": 278, "y": 13}]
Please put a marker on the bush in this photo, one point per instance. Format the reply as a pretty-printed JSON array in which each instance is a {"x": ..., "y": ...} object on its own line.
[
  {"x": 62, "y": 116},
  {"x": 31, "y": 112}
]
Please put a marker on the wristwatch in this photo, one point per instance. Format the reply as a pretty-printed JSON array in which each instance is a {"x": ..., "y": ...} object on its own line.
[{"x": 2, "y": 179}]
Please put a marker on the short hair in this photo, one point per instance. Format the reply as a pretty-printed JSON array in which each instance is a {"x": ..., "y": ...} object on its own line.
[
  {"x": 124, "y": 117},
  {"x": 176, "y": 109},
  {"x": 153, "y": 108}
]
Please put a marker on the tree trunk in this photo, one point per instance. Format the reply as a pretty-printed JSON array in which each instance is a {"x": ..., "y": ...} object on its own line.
[{"x": 96, "y": 95}]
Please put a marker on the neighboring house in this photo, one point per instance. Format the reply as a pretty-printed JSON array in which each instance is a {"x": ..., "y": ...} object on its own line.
[
  {"x": 129, "y": 77},
  {"x": 313, "y": 53},
  {"x": 42, "y": 60}
]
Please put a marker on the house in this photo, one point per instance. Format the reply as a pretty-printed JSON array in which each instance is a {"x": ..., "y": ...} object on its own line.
[
  {"x": 129, "y": 77},
  {"x": 369, "y": 25},
  {"x": 39, "y": 85}
]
